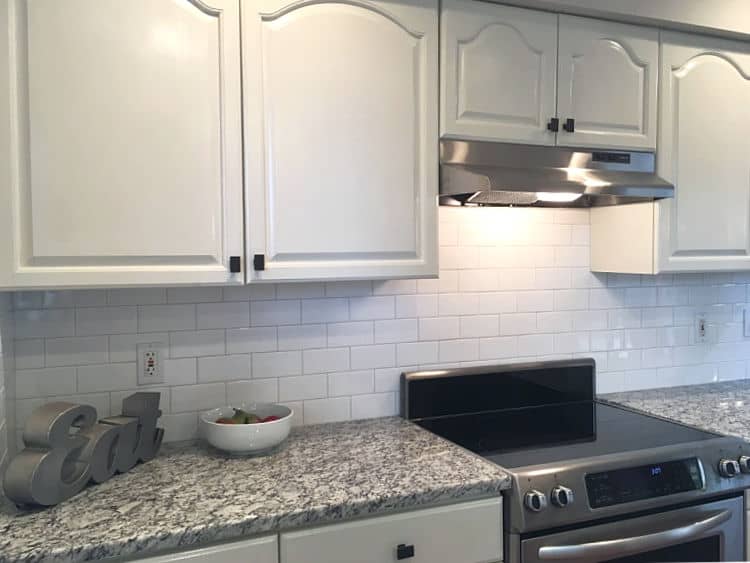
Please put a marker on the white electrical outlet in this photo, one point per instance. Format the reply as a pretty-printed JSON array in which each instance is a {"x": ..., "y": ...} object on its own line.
[
  {"x": 701, "y": 328},
  {"x": 150, "y": 359}
]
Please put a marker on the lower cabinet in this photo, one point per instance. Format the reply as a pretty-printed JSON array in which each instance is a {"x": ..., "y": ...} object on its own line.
[
  {"x": 258, "y": 550},
  {"x": 465, "y": 533}
]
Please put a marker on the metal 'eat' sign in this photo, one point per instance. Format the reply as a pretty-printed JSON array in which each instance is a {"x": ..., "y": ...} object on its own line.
[{"x": 65, "y": 448}]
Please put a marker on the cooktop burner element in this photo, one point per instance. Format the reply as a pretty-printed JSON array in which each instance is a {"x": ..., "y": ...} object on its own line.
[{"x": 573, "y": 458}]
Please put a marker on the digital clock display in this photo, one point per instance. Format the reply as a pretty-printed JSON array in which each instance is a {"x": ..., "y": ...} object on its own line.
[{"x": 643, "y": 482}]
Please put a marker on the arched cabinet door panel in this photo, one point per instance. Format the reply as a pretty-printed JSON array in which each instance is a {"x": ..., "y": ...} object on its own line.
[
  {"x": 498, "y": 67},
  {"x": 120, "y": 142},
  {"x": 341, "y": 144},
  {"x": 704, "y": 150},
  {"x": 607, "y": 83}
]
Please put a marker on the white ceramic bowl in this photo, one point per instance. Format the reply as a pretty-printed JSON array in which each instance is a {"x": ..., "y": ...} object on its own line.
[{"x": 246, "y": 439}]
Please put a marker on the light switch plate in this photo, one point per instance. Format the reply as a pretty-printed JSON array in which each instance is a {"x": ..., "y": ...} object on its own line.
[{"x": 150, "y": 363}]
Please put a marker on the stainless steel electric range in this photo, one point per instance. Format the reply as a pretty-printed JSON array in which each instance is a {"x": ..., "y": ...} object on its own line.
[{"x": 592, "y": 482}]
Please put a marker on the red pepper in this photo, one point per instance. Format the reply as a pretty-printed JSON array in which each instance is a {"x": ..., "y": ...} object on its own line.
[{"x": 270, "y": 418}]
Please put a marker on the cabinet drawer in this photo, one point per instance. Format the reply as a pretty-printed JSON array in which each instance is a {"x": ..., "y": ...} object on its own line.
[
  {"x": 259, "y": 550},
  {"x": 464, "y": 533}
]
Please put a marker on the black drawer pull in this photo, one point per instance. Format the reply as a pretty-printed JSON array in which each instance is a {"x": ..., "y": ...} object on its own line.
[
  {"x": 553, "y": 125},
  {"x": 404, "y": 551},
  {"x": 570, "y": 125}
]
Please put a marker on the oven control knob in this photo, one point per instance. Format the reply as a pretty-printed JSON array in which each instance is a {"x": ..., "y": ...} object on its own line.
[
  {"x": 561, "y": 496},
  {"x": 728, "y": 468},
  {"x": 744, "y": 462},
  {"x": 535, "y": 501}
]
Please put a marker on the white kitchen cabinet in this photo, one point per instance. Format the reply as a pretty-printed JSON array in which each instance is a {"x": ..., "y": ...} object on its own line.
[
  {"x": 467, "y": 533},
  {"x": 260, "y": 550},
  {"x": 607, "y": 83},
  {"x": 703, "y": 150},
  {"x": 120, "y": 142},
  {"x": 341, "y": 138},
  {"x": 498, "y": 68},
  {"x": 506, "y": 72}
]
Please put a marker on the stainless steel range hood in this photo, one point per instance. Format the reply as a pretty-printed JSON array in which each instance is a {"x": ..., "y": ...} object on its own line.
[{"x": 484, "y": 173}]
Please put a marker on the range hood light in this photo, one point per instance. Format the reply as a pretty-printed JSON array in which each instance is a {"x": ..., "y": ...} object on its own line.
[{"x": 557, "y": 197}]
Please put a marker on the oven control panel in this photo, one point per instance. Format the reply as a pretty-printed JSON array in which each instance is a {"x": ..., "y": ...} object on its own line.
[{"x": 618, "y": 486}]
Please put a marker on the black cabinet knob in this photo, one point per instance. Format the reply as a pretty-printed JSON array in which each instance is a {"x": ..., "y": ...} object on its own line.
[
  {"x": 404, "y": 551},
  {"x": 553, "y": 125},
  {"x": 570, "y": 125}
]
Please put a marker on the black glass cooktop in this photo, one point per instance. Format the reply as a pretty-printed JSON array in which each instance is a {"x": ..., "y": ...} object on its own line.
[{"x": 519, "y": 437}]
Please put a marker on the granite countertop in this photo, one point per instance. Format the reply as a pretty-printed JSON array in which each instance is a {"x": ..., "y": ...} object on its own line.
[
  {"x": 192, "y": 495},
  {"x": 717, "y": 407}
]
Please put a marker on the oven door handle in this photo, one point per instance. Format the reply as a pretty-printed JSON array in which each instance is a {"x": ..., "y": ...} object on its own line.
[{"x": 620, "y": 547}]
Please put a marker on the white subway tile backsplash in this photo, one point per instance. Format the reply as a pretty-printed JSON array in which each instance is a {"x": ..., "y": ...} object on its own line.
[
  {"x": 193, "y": 343},
  {"x": 325, "y": 310},
  {"x": 256, "y": 391},
  {"x": 302, "y": 290},
  {"x": 76, "y": 351},
  {"x": 194, "y": 294},
  {"x": 137, "y": 296},
  {"x": 223, "y": 315},
  {"x": 198, "y": 397},
  {"x": 122, "y": 347},
  {"x": 374, "y": 405},
  {"x": 439, "y": 328},
  {"x": 106, "y": 377},
  {"x": 271, "y": 313},
  {"x": 276, "y": 364},
  {"x": 348, "y": 383},
  {"x": 348, "y": 288},
  {"x": 29, "y": 353},
  {"x": 480, "y": 325},
  {"x": 466, "y": 350},
  {"x": 255, "y": 339},
  {"x": 416, "y": 353},
  {"x": 299, "y": 388},
  {"x": 106, "y": 320},
  {"x": 372, "y": 308},
  {"x": 50, "y": 323},
  {"x": 375, "y": 356},
  {"x": 411, "y": 306},
  {"x": 397, "y": 330},
  {"x": 290, "y": 337},
  {"x": 223, "y": 368},
  {"x": 514, "y": 285},
  {"x": 327, "y": 410},
  {"x": 156, "y": 318},
  {"x": 32, "y": 383},
  {"x": 325, "y": 360}
]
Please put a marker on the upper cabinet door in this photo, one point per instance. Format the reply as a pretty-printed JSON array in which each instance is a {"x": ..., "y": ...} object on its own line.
[
  {"x": 498, "y": 72},
  {"x": 341, "y": 137},
  {"x": 704, "y": 149},
  {"x": 120, "y": 142},
  {"x": 607, "y": 83}
]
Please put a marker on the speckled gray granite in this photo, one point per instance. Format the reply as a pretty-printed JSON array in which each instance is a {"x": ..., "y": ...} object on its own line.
[
  {"x": 718, "y": 407},
  {"x": 194, "y": 495}
]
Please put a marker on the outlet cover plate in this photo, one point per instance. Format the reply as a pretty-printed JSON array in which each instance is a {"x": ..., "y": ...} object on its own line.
[{"x": 150, "y": 360}]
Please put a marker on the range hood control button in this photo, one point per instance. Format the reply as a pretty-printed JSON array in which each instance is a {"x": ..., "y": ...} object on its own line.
[
  {"x": 536, "y": 501},
  {"x": 561, "y": 496},
  {"x": 728, "y": 468},
  {"x": 744, "y": 462}
]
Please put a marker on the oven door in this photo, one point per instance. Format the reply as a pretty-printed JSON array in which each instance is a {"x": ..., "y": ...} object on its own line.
[{"x": 708, "y": 532}]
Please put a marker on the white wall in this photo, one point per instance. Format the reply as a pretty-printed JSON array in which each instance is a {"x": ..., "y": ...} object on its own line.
[
  {"x": 709, "y": 16},
  {"x": 7, "y": 379},
  {"x": 514, "y": 285}
]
